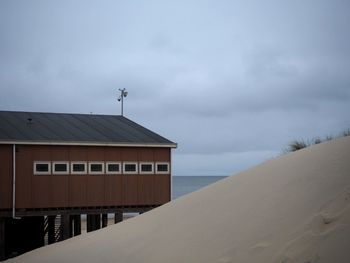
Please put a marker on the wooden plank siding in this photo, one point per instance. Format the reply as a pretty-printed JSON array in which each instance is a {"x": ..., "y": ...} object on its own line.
[
  {"x": 5, "y": 176},
  {"x": 57, "y": 191}
]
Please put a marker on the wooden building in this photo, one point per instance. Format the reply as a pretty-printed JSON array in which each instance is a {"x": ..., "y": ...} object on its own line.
[{"x": 56, "y": 167}]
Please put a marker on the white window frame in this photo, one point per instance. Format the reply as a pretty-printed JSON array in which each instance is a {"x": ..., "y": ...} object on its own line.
[
  {"x": 60, "y": 172},
  {"x": 128, "y": 172},
  {"x": 78, "y": 172},
  {"x": 99, "y": 163},
  {"x": 146, "y": 172},
  {"x": 39, "y": 172},
  {"x": 114, "y": 172},
  {"x": 162, "y": 172}
]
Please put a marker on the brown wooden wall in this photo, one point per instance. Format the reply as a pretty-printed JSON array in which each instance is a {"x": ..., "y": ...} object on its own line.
[
  {"x": 51, "y": 191},
  {"x": 5, "y": 176}
]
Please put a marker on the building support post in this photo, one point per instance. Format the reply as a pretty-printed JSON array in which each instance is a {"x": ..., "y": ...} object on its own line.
[
  {"x": 97, "y": 221},
  {"x": 89, "y": 223},
  {"x": 71, "y": 224},
  {"x": 65, "y": 227},
  {"x": 77, "y": 225},
  {"x": 118, "y": 217},
  {"x": 93, "y": 222},
  {"x": 51, "y": 229},
  {"x": 2, "y": 239},
  {"x": 104, "y": 220}
]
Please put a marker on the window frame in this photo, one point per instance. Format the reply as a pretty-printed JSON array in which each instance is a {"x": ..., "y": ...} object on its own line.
[
  {"x": 146, "y": 172},
  {"x": 162, "y": 172},
  {"x": 78, "y": 172},
  {"x": 97, "y": 172},
  {"x": 113, "y": 172},
  {"x": 60, "y": 172},
  {"x": 35, "y": 172},
  {"x": 128, "y": 172}
]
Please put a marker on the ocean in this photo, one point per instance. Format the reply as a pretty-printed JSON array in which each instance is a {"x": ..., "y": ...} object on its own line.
[{"x": 183, "y": 185}]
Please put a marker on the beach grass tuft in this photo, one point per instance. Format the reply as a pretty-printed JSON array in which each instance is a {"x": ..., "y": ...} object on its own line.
[{"x": 297, "y": 145}]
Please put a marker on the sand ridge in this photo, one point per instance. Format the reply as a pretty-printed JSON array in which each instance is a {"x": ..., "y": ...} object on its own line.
[{"x": 295, "y": 208}]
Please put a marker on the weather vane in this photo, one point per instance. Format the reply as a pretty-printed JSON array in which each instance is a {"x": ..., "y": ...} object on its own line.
[{"x": 123, "y": 94}]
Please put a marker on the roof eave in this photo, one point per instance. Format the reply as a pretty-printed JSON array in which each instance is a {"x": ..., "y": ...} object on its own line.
[{"x": 84, "y": 143}]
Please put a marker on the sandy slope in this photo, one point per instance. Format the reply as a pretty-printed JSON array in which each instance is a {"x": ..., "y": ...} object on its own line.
[{"x": 295, "y": 208}]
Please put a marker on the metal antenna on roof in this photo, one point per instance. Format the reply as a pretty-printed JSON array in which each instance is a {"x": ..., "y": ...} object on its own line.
[{"x": 123, "y": 94}]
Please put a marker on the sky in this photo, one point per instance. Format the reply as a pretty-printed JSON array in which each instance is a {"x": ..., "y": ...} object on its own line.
[{"x": 232, "y": 82}]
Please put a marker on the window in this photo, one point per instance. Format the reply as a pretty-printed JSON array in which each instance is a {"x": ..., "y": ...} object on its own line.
[
  {"x": 162, "y": 168},
  {"x": 113, "y": 167},
  {"x": 42, "y": 168},
  {"x": 146, "y": 168},
  {"x": 130, "y": 168},
  {"x": 60, "y": 168},
  {"x": 78, "y": 167},
  {"x": 96, "y": 168}
]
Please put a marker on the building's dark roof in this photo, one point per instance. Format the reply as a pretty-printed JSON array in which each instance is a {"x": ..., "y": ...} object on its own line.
[{"x": 64, "y": 128}]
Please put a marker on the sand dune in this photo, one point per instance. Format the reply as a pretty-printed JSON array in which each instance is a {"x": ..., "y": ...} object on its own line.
[{"x": 295, "y": 208}]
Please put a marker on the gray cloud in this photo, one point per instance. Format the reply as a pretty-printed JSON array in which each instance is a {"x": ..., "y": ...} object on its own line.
[{"x": 228, "y": 80}]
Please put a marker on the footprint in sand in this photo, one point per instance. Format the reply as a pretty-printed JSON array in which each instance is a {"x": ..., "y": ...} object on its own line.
[
  {"x": 301, "y": 250},
  {"x": 259, "y": 247},
  {"x": 331, "y": 212},
  {"x": 333, "y": 216}
]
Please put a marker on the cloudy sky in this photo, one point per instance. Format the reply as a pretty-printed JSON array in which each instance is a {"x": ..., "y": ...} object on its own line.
[{"x": 232, "y": 82}]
